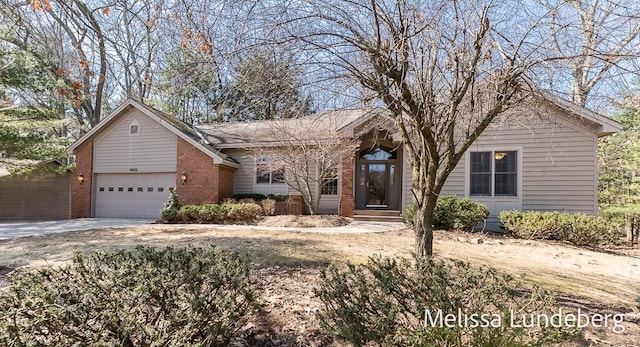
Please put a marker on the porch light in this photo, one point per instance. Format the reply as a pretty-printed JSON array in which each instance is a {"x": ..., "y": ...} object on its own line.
[
  {"x": 184, "y": 177},
  {"x": 500, "y": 155},
  {"x": 81, "y": 178}
]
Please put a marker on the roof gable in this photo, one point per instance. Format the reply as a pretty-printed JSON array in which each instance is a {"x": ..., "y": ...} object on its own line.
[{"x": 173, "y": 125}]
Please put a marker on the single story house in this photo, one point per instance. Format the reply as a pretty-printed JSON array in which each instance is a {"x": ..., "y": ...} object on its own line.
[{"x": 537, "y": 157}]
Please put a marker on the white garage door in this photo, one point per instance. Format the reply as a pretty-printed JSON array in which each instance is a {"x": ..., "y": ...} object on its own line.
[{"x": 132, "y": 195}]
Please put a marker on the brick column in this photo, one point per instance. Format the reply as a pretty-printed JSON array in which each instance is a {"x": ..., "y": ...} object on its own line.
[
  {"x": 81, "y": 193},
  {"x": 347, "y": 204}
]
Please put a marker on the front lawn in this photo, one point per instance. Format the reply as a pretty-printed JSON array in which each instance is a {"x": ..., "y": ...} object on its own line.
[{"x": 286, "y": 266}]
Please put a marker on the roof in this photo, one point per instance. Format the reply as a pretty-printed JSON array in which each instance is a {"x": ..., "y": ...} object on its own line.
[
  {"x": 265, "y": 132},
  {"x": 606, "y": 125},
  {"x": 174, "y": 125}
]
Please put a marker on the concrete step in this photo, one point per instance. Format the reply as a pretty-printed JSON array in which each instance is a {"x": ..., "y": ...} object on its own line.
[
  {"x": 394, "y": 213},
  {"x": 375, "y": 218}
]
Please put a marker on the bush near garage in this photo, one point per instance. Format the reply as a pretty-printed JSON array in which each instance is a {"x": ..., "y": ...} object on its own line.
[
  {"x": 453, "y": 213},
  {"x": 577, "y": 228},
  {"x": 141, "y": 297},
  {"x": 384, "y": 303}
]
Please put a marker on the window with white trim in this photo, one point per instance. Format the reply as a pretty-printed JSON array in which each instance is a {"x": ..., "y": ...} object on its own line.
[
  {"x": 493, "y": 173},
  {"x": 330, "y": 184},
  {"x": 267, "y": 172}
]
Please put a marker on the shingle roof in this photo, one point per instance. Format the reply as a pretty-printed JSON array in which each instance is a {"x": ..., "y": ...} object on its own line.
[{"x": 238, "y": 134}]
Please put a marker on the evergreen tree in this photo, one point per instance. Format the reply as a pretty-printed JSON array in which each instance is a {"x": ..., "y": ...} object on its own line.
[
  {"x": 31, "y": 128},
  {"x": 619, "y": 160}
]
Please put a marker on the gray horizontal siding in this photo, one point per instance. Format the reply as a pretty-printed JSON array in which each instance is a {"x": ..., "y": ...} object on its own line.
[
  {"x": 559, "y": 162},
  {"x": 244, "y": 181},
  {"x": 153, "y": 150}
]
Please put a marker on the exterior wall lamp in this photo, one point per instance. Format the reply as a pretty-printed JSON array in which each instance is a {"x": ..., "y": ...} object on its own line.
[
  {"x": 81, "y": 178},
  {"x": 184, "y": 177}
]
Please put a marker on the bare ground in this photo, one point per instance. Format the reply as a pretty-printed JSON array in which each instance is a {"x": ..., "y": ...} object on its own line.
[{"x": 287, "y": 267}]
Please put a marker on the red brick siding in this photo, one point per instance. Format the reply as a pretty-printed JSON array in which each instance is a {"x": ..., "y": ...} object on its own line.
[
  {"x": 81, "y": 193},
  {"x": 206, "y": 182},
  {"x": 347, "y": 204},
  {"x": 225, "y": 182}
]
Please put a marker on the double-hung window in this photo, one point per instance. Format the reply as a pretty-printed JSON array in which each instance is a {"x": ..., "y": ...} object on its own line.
[
  {"x": 330, "y": 184},
  {"x": 493, "y": 173}
]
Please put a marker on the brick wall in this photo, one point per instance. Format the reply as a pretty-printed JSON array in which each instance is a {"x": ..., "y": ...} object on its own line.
[
  {"x": 225, "y": 182},
  {"x": 206, "y": 182},
  {"x": 347, "y": 204},
  {"x": 81, "y": 193}
]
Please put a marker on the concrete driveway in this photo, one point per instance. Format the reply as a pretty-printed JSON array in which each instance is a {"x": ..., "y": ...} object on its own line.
[{"x": 12, "y": 230}]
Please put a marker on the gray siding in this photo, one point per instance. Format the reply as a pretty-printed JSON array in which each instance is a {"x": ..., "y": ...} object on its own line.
[
  {"x": 35, "y": 197},
  {"x": 245, "y": 176},
  {"x": 152, "y": 150},
  {"x": 559, "y": 162}
]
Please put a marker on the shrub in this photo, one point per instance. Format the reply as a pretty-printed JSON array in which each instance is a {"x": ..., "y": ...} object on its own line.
[
  {"x": 254, "y": 197},
  {"x": 171, "y": 207},
  {"x": 578, "y": 229},
  {"x": 278, "y": 197},
  {"x": 259, "y": 197},
  {"x": 385, "y": 302},
  {"x": 452, "y": 212},
  {"x": 143, "y": 297},
  {"x": 244, "y": 212},
  {"x": 269, "y": 206},
  {"x": 219, "y": 213}
]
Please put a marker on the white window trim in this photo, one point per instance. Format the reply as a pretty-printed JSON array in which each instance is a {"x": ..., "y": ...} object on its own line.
[
  {"x": 493, "y": 149},
  {"x": 273, "y": 188},
  {"x": 339, "y": 182}
]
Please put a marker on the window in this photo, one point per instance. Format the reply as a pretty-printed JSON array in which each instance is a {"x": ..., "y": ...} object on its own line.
[
  {"x": 330, "y": 184},
  {"x": 379, "y": 153},
  {"x": 134, "y": 128},
  {"x": 493, "y": 173},
  {"x": 266, "y": 172}
]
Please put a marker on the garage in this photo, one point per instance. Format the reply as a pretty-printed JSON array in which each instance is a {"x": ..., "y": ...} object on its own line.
[{"x": 138, "y": 195}]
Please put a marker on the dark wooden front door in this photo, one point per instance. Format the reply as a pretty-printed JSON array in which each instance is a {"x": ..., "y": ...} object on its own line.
[{"x": 378, "y": 183}]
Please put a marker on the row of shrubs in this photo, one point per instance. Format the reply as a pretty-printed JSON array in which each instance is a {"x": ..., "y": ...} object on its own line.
[
  {"x": 216, "y": 213},
  {"x": 205, "y": 296},
  {"x": 260, "y": 197},
  {"x": 577, "y": 228},
  {"x": 453, "y": 213}
]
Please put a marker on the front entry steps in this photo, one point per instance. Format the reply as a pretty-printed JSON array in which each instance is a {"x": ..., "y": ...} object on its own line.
[{"x": 377, "y": 216}]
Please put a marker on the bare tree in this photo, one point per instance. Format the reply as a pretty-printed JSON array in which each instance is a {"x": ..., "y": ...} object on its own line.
[
  {"x": 593, "y": 42},
  {"x": 307, "y": 153},
  {"x": 444, "y": 69}
]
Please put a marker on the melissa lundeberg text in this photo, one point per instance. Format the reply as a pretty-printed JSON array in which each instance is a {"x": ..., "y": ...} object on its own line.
[{"x": 560, "y": 319}]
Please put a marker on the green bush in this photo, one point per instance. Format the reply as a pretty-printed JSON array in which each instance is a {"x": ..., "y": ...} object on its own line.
[
  {"x": 143, "y": 297},
  {"x": 254, "y": 197},
  {"x": 218, "y": 213},
  {"x": 278, "y": 197},
  {"x": 385, "y": 302},
  {"x": 452, "y": 212},
  {"x": 171, "y": 206},
  {"x": 576, "y": 228}
]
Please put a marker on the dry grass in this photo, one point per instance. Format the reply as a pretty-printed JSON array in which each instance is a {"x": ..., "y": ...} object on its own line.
[{"x": 288, "y": 265}]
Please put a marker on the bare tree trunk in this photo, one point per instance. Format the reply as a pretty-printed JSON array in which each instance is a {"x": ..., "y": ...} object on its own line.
[{"x": 423, "y": 224}]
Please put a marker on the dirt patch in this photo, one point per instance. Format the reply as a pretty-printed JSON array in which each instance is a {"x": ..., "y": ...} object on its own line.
[{"x": 317, "y": 221}]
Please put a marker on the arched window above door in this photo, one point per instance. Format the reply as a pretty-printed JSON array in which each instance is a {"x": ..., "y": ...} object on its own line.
[{"x": 378, "y": 153}]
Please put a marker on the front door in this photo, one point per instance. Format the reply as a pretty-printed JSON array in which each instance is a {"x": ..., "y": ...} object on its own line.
[{"x": 377, "y": 178}]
